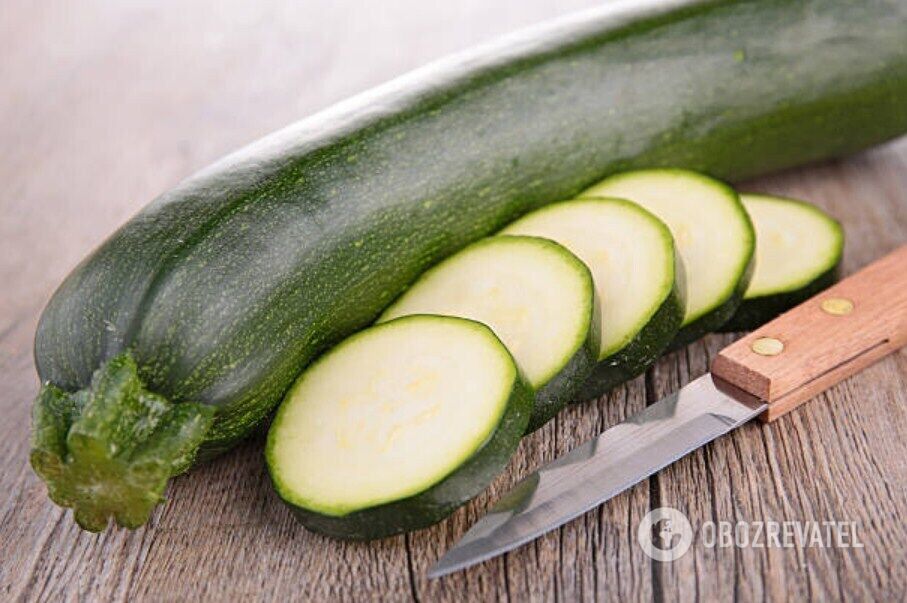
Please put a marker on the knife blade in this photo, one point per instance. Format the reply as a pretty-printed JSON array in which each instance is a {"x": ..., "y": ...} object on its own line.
[
  {"x": 603, "y": 467},
  {"x": 769, "y": 373}
]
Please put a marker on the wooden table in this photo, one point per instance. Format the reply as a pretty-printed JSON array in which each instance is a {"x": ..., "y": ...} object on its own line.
[{"x": 104, "y": 105}]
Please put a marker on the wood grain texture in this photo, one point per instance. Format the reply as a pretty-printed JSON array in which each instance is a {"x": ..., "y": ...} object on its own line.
[
  {"x": 817, "y": 348},
  {"x": 105, "y": 105}
]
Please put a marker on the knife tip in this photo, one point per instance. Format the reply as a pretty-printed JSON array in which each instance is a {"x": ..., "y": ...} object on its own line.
[
  {"x": 436, "y": 572},
  {"x": 446, "y": 566},
  {"x": 459, "y": 558}
]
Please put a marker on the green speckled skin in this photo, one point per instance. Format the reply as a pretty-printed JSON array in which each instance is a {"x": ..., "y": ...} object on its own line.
[
  {"x": 227, "y": 286},
  {"x": 442, "y": 499}
]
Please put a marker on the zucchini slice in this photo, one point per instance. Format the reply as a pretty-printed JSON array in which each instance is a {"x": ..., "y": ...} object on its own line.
[
  {"x": 798, "y": 252},
  {"x": 397, "y": 426},
  {"x": 630, "y": 253},
  {"x": 538, "y": 297},
  {"x": 712, "y": 233}
]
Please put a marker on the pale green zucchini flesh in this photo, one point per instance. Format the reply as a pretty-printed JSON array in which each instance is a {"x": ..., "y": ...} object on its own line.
[
  {"x": 798, "y": 251},
  {"x": 535, "y": 295},
  {"x": 630, "y": 254},
  {"x": 712, "y": 233},
  {"x": 397, "y": 426}
]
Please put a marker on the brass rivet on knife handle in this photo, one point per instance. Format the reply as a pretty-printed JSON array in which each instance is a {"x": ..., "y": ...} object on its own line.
[
  {"x": 767, "y": 346},
  {"x": 825, "y": 339},
  {"x": 837, "y": 306}
]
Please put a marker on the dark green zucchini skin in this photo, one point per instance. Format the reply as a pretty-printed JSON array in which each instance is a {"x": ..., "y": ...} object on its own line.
[
  {"x": 715, "y": 319},
  {"x": 225, "y": 287},
  {"x": 640, "y": 353},
  {"x": 431, "y": 506},
  {"x": 757, "y": 311},
  {"x": 566, "y": 385}
]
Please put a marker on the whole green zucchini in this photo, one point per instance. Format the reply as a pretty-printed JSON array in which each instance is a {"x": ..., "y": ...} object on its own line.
[{"x": 224, "y": 288}]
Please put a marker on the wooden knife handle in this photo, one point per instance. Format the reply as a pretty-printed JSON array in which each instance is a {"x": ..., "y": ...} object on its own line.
[{"x": 824, "y": 340}]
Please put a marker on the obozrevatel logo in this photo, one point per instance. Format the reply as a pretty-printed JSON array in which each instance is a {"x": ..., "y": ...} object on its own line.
[{"x": 665, "y": 534}]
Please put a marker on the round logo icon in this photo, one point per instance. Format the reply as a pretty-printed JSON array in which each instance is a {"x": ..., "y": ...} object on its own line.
[{"x": 665, "y": 534}]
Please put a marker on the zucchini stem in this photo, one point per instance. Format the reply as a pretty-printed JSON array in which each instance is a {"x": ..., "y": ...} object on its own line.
[{"x": 110, "y": 449}]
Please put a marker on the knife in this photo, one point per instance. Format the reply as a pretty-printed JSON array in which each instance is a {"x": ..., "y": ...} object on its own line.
[{"x": 767, "y": 373}]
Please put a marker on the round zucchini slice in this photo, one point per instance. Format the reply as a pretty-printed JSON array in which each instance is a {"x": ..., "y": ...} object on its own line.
[
  {"x": 397, "y": 426},
  {"x": 798, "y": 252},
  {"x": 537, "y": 296},
  {"x": 712, "y": 233},
  {"x": 630, "y": 254}
]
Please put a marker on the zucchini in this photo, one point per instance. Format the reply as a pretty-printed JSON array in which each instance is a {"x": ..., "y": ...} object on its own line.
[
  {"x": 226, "y": 287},
  {"x": 535, "y": 295},
  {"x": 434, "y": 411},
  {"x": 713, "y": 234},
  {"x": 798, "y": 252},
  {"x": 630, "y": 253}
]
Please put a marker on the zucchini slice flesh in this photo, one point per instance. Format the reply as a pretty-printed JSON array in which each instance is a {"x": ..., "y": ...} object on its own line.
[
  {"x": 712, "y": 233},
  {"x": 389, "y": 416},
  {"x": 795, "y": 243},
  {"x": 630, "y": 254},
  {"x": 798, "y": 251},
  {"x": 534, "y": 294}
]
